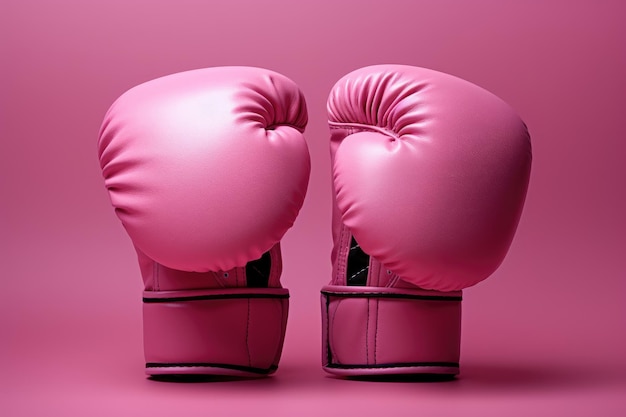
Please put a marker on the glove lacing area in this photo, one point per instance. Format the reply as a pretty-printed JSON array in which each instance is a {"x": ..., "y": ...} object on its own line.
[{"x": 376, "y": 324}]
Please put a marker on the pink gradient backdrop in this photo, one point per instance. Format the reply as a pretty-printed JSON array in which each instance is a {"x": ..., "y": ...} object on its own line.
[{"x": 546, "y": 335}]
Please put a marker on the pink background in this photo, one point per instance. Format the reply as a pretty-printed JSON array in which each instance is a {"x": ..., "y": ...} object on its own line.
[{"x": 546, "y": 335}]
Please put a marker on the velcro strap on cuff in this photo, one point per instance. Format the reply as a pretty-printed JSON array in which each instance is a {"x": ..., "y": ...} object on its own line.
[
  {"x": 230, "y": 331},
  {"x": 372, "y": 330}
]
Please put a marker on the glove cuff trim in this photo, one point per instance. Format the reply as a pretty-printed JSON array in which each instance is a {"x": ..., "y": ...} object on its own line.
[{"x": 154, "y": 368}]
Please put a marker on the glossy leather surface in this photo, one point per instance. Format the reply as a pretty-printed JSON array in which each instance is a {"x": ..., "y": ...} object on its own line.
[
  {"x": 430, "y": 174},
  {"x": 207, "y": 170}
]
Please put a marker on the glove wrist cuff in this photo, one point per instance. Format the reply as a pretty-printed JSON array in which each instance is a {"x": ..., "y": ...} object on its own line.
[
  {"x": 386, "y": 331},
  {"x": 230, "y": 331}
]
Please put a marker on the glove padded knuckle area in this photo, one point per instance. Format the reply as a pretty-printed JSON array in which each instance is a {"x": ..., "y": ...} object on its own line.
[
  {"x": 430, "y": 172},
  {"x": 196, "y": 170}
]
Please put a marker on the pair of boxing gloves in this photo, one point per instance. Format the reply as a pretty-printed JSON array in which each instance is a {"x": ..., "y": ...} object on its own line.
[{"x": 208, "y": 169}]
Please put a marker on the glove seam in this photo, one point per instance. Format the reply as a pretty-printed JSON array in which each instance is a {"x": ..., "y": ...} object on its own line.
[
  {"x": 213, "y": 297},
  {"x": 359, "y": 127},
  {"x": 392, "y": 295},
  {"x": 367, "y": 327},
  {"x": 155, "y": 274},
  {"x": 248, "y": 335},
  {"x": 376, "y": 332},
  {"x": 395, "y": 365},
  {"x": 332, "y": 324},
  {"x": 251, "y": 369}
]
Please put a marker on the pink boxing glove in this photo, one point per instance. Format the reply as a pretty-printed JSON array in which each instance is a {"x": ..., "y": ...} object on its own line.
[
  {"x": 430, "y": 175},
  {"x": 207, "y": 170}
]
